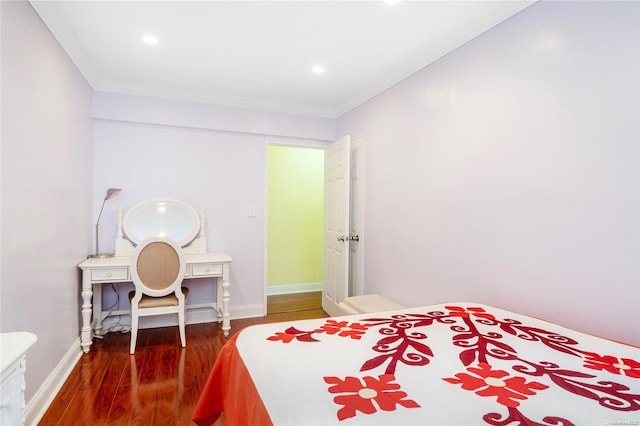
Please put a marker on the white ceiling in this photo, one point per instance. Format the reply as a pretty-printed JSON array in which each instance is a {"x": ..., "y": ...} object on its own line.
[{"x": 259, "y": 54}]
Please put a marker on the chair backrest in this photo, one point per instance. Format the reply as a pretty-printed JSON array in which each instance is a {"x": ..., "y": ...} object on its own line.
[{"x": 157, "y": 267}]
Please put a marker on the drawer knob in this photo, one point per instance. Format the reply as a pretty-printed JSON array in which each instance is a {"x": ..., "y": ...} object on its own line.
[{"x": 109, "y": 274}]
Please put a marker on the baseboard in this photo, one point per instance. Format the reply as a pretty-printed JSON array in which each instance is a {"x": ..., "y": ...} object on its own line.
[
  {"x": 273, "y": 290},
  {"x": 40, "y": 402},
  {"x": 247, "y": 311}
]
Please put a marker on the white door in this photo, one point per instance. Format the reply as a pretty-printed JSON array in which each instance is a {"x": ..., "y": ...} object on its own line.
[
  {"x": 356, "y": 218},
  {"x": 337, "y": 163}
]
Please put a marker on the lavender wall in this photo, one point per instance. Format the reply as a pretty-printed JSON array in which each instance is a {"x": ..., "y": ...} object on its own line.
[
  {"x": 46, "y": 189},
  {"x": 507, "y": 172},
  {"x": 210, "y": 157}
]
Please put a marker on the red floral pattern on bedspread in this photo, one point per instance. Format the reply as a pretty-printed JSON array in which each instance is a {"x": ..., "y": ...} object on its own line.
[
  {"x": 479, "y": 335},
  {"x": 613, "y": 365},
  {"x": 488, "y": 382},
  {"x": 356, "y": 396},
  {"x": 354, "y": 330}
]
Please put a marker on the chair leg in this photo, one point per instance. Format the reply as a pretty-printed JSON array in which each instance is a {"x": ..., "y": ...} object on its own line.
[
  {"x": 183, "y": 338},
  {"x": 134, "y": 333}
]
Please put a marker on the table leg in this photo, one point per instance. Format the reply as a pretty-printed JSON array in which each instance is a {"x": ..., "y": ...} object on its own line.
[
  {"x": 97, "y": 309},
  {"x": 87, "y": 293},
  {"x": 219, "y": 281},
  {"x": 226, "y": 320}
]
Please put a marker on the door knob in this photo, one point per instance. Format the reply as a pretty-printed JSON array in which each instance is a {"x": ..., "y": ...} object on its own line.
[
  {"x": 354, "y": 237},
  {"x": 342, "y": 237}
]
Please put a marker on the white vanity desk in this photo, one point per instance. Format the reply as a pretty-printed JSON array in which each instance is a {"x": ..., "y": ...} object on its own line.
[{"x": 155, "y": 217}]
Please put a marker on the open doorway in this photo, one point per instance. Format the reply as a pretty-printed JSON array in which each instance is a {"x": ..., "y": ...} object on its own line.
[
  {"x": 294, "y": 252},
  {"x": 295, "y": 225}
]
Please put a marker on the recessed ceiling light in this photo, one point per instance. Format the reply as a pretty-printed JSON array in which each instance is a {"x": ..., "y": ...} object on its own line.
[
  {"x": 149, "y": 39},
  {"x": 317, "y": 69}
]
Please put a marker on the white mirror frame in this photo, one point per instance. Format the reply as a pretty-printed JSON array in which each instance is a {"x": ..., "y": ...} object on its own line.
[{"x": 149, "y": 218}]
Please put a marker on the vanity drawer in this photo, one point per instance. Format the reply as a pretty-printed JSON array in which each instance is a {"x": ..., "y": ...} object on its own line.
[
  {"x": 206, "y": 269},
  {"x": 116, "y": 274}
]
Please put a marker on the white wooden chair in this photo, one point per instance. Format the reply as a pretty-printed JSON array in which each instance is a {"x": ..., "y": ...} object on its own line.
[{"x": 157, "y": 271}]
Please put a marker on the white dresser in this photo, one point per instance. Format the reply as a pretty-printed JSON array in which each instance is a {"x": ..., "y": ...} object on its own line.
[{"x": 13, "y": 350}]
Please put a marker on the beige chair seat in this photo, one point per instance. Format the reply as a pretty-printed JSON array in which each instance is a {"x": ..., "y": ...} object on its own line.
[{"x": 158, "y": 302}]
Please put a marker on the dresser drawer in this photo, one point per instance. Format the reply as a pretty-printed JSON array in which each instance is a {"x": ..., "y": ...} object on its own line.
[
  {"x": 206, "y": 269},
  {"x": 116, "y": 274}
]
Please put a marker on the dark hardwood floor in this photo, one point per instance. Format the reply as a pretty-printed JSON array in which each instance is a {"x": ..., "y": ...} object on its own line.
[
  {"x": 294, "y": 302},
  {"x": 159, "y": 385}
]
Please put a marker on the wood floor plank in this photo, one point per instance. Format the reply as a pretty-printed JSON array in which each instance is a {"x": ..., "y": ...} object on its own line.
[
  {"x": 121, "y": 408},
  {"x": 294, "y": 302},
  {"x": 77, "y": 410},
  {"x": 159, "y": 385},
  {"x": 108, "y": 388}
]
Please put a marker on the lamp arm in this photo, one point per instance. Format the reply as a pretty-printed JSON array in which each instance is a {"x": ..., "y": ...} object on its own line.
[
  {"x": 98, "y": 223},
  {"x": 100, "y": 214},
  {"x": 111, "y": 192}
]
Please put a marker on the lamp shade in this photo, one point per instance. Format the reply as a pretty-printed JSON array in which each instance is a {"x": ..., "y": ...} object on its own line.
[{"x": 112, "y": 192}]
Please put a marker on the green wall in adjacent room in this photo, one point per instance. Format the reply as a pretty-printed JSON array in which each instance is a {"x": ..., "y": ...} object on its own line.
[{"x": 295, "y": 206}]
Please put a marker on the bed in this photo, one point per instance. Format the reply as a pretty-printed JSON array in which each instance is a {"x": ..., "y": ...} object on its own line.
[{"x": 448, "y": 364}]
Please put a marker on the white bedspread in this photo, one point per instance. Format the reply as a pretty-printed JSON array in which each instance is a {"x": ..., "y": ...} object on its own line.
[{"x": 449, "y": 364}]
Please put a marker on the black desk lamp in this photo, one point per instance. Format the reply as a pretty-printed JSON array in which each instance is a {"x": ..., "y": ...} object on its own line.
[{"x": 111, "y": 192}]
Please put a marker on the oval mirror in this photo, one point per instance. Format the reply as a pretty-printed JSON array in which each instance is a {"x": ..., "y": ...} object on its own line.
[{"x": 161, "y": 217}]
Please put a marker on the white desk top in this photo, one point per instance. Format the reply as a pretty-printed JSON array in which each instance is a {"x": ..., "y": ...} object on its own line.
[{"x": 115, "y": 261}]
